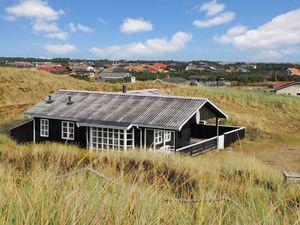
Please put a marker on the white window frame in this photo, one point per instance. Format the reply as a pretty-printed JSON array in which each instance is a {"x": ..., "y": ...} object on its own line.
[
  {"x": 68, "y": 125},
  {"x": 111, "y": 139},
  {"x": 167, "y": 136},
  {"x": 44, "y": 128},
  {"x": 158, "y": 137}
]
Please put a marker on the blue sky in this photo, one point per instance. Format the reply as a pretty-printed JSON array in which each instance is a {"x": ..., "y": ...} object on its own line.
[{"x": 226, "y": 30}]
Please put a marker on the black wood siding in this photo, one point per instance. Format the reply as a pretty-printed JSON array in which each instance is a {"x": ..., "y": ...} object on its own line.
[
  {"x": 55, "y": 133},
  {"x": 183, "y": 137},
  {"x": 22, "y": 133},
  {"x": 209, "y": 131}
]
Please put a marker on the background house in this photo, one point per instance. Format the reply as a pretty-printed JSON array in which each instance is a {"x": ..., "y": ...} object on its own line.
[
  {"x": 123, "y": 77},
  {"x": 173, "y": 80},
  {"x": 288, "y": 88},
  {"x": 293, "y": 72},
  {"x": 83, "y": 70}
]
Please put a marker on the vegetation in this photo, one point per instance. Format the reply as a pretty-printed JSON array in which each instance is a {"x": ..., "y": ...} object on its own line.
[
  {"x": 149, "y": 188},
  {"x": 226, "y": 187},
  {"x": 252, "y": 77}
]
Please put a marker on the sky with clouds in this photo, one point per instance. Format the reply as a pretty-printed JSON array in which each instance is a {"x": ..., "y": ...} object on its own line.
[{"x": 225, "y": 30}]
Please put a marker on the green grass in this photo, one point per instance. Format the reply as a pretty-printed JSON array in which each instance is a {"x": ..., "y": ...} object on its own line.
[{"x": 150, "y": 184}]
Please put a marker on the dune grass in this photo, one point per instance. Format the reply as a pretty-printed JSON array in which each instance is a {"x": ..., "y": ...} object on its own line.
[{"x": 148, "y": 190}]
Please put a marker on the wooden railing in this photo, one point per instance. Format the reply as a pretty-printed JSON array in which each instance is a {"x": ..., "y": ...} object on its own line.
[
  {"x": 233, "y": 136},
  {"x": 199, "y": 147},
  {"x": 212, "y": 143}
]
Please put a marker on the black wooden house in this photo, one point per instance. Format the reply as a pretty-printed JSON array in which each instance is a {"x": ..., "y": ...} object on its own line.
[{"x": 121, "y": 121}]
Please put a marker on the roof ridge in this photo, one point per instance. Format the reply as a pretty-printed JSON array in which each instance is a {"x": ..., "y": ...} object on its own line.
[{"x": 133, "y": 94}]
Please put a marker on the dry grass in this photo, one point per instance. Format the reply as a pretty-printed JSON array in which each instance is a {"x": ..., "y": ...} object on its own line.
[{"x": 151, "y": 184}]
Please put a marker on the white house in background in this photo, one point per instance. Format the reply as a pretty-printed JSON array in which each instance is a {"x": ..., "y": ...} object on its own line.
[
  {"x": 116, "y": 76},
  {"x": 292, "y": 89}
]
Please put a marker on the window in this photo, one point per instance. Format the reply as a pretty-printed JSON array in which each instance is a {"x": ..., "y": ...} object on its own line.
[
  {"x": 110, "y": 139},
  {"x": 167, "y": 136},
  {"x": 157, "y": 137},
  {"x": 67, "y": 130},
  {"x": 298, "y": 94},
  {"x": 44, "y": 128}
]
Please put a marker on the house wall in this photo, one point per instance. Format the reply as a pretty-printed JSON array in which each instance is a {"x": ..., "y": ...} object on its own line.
[
  {"x": 208, "y": 130},
  {"x": 138, "y": 136},
  {"x": 293, "y": 90},
  {"x": 22, "y": 133},
  {"x": 149, "y": 138},
  {"x": 55, "y": 133},
  {"x": 183, "y": 137}
]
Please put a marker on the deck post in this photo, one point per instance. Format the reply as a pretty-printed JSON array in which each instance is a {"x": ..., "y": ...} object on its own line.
[
  {"x": 132, "y": 138},
  {"x": 145, "y": 138},
  {"x": 141, "y": 138},
  {"x": 33, "y": 130},
  {"x": 87, "y": 137},
  {"x": 217, "y": 127},
  {"x": 125, "y": 140}
]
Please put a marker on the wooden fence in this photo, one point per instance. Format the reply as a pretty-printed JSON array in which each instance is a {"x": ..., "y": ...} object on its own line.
[
  {"x": 199, "y": 147},
  {"x": 221, "y": 142}
]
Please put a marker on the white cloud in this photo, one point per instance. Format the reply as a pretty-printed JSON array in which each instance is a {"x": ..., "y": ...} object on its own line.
[
  {"x": 269, "y": 54},
  {"x": 9, "y": 18},
  {"x": 276, "y": 53},
  {"x": 43, "y": 17},
  {"x": 151, "y": 47},
  {"x": 103, "y": 21},
  {"x": 61, "y": 35},
  {"x": 290, "y": 51},
  {"x": 64, "y": 49},
  {"x": 231, "y": 34},
  {"x": 36, "y": 9},
  {"x": 51, "y": 30},
  {"x": 215, "y": 21},
  {"x": 281, "y": 31},
  {"x": 130, "y": 25},
  {"x": 212, "y": 8},
  {"x": 79, "y": 27}
]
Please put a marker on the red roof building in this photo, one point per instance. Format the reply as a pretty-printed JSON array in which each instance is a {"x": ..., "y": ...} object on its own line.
[
  {"x": 52, "y": 68},
  {"x": 293, "y": 71},
  {"x": 279, "y": 84}
]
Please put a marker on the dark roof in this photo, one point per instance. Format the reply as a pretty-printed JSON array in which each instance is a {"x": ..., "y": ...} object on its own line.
[
  {"x": 120, "y": 70},
  {"x": 175, "y": 80},
  {"x": 201, "y": 77},
  {"x": 114, "y": 75},
  {"x": 122, "y": 110}
]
